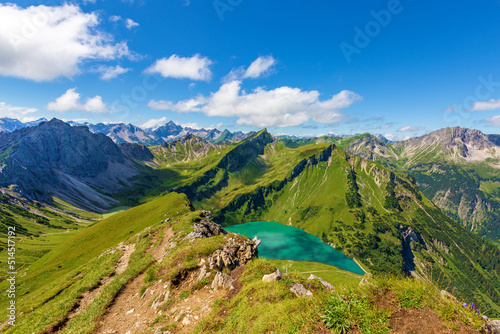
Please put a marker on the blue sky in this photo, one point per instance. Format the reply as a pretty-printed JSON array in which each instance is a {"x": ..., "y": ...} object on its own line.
[{"x": 399, "y": 68}]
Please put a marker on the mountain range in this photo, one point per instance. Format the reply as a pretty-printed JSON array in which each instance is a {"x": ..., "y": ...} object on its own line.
[{"x": 128, "y": 133}]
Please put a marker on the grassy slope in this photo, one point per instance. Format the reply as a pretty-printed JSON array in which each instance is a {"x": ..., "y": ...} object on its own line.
[
  {"x": 274, "y": 165},
  {"x": 58, "y": 269},
  {"x": 38, "y": 228}
]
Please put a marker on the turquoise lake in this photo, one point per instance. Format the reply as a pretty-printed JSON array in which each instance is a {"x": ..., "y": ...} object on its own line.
[{"x": 281, "y": 242}]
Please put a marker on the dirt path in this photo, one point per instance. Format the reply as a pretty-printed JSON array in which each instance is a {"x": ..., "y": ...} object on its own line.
[
  {"x": 132, "y": 312},
  {"x": 159, "y": 252},
  {"x": 122, "y": 263}
]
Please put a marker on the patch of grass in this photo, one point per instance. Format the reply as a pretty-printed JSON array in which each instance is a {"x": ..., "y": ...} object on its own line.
[
  {"x": 184, "y": 294},
  {"x": 114, "y": 211},
  {"x": 354, "y": 311}
]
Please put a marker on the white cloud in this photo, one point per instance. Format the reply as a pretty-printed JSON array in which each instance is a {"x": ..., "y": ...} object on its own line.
[
  {"x": 495, "y": 120},
  {"x": 410, "y": 128},
  {"x": 154, "y": 123},
  {"x": 15, "y": 112},
  {"x": 111, "y": 72},
  {"x": 449, "y": 109},
  {"x": 281, "y": 107},
  {"x": 486, "y": 105},
  {"x": 259, "y": 67},
  {"x": 393, "y": 137},
  {"x": 42, "y": 43},
  {"x": 181, "y": 106},
  {"x": 194, "y": 68},
  {"x": 71, "y": 101},
  {"x": 115, "y": 18},
  {"x": 129, "y": 23},
  {"x": 191, "y": 125}
]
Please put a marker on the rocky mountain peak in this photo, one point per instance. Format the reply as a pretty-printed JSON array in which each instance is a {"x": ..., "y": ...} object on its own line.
[{"x": 56, "y": 159}]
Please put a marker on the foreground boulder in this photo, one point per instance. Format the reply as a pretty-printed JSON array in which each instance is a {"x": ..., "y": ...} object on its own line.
[
  {"x": 327, "y": 285},
  {"x": 222, "y": 281},
  {"x": 299, "y": 290},
  {"x": 273, "y": 277}
]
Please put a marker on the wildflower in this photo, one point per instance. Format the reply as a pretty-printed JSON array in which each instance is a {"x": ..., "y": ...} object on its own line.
[{"x": 464, "y": 304}]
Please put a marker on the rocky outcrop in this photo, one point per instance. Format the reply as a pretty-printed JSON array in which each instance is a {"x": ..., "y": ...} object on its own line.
[
  {"x": 276, "y": 276},
  {"x": 409, "y": 236},
  {"x": 222, "y": 281},
  {"x": 300, "y": 291},
  {"x": 205, "y": 228},
  {"x": 238, "y": 251}
]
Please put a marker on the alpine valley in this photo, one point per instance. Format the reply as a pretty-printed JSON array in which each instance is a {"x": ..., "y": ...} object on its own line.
[{"x": 121, "y": 230}]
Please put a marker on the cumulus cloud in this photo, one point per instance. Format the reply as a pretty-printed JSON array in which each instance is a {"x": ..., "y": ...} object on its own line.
[
  {"x": 129, "y": 23},
  {"x": 71, "y": 101},
  {"x": 43, "y": 43},
  {"x": 111, "y": 72},
  {"x": 16, "y": 112},
  {"x": 485, "y": 105},
  {"x": 259, "y": 67},
  {"x": 410, "y": 128},
  {"x": 494, "y": 120},
  {"x": 154, "y": 123},
  {"x": 194, "y": 68},
  {"x": 281, "y": 107}
]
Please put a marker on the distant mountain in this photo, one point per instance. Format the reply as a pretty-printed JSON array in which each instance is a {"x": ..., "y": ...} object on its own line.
[
  {"x": 55, "y": 159},
  {"x": 129, "y": 133},
  {"x": 12, "y": 124},
  {"x": 458, "y": 168},
  {"x": 185, "y": 149},
  {"x": 125, "y": 133}
]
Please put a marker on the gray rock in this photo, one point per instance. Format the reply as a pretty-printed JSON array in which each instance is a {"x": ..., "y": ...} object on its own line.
[
  {"x": 299, "y": 290},
  {"x": 203, "y": 273},
  {"x": 257, "y": 241},
  {"x": 222, "y": 281},
  {"x": 277, "y": 275},
  {"x": 327, "y": 285},
  {"x": 237, "y": 251},
  {"x": 495, "y": 326},
  {"x": 160, "y": 300},
  {"x": 205, "y": 228}
]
